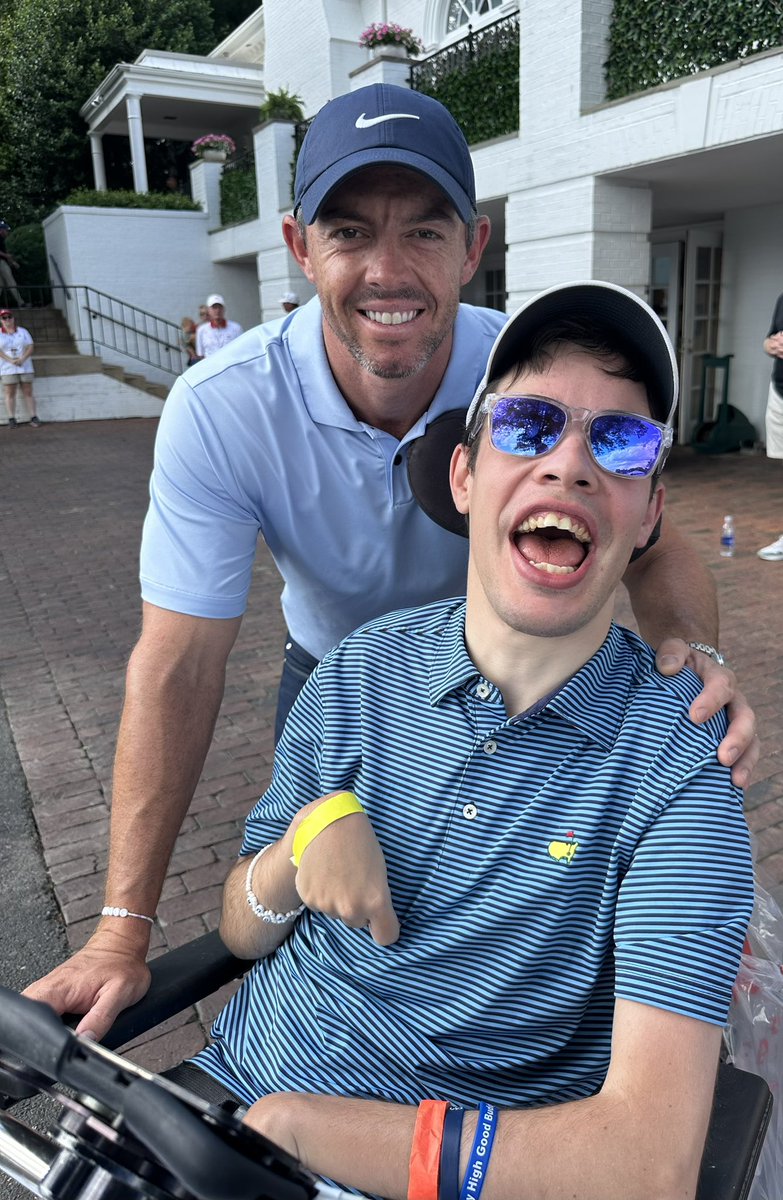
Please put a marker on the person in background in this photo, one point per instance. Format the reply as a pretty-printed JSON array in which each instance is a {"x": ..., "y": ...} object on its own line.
[
  {"x": 187, "y": 340},
  {"x": 289, "y": 301},
  {"x": 773, "y": 345},
  {"x": 16, "y": 367},
  {"x": 7, "y": 261},
  {"x": 217, "y": 331}
]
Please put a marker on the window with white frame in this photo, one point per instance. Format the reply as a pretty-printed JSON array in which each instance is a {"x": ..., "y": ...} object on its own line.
[{"x": 469, "y": 12}]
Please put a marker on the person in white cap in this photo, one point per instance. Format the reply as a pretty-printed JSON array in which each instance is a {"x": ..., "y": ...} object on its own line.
[
  {"x": 216, "y": 332},
  {"x": 289, "y": 301},
  {"x": 477, "y": 886},
  {"x": 300, "y": 433}
]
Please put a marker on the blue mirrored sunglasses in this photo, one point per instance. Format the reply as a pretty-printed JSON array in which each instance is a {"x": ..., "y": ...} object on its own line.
[{"x": 621, "y": 443}]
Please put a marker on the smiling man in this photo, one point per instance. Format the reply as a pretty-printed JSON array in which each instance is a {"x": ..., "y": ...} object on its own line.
[
  {"x": 479, "y": 876},
  {"x": 299, "y": 433}
]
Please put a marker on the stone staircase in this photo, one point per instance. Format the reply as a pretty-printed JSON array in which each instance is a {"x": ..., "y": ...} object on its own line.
[{"x": 56, "y": 353}]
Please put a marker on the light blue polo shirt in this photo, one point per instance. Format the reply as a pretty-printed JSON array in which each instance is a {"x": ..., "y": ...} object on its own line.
[
  {"x": 258, "y": 439},
  {"x": 540, "y": 866}
]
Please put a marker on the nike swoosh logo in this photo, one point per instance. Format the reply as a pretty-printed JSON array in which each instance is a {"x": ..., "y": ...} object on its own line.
[{"x": 363, "y": 122}]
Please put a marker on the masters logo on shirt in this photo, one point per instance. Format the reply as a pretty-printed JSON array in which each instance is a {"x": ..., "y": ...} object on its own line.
[{"x": 564, "y": 851}]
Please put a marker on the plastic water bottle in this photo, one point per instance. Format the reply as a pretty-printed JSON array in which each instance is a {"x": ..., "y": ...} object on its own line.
[{"x": 727, "y": 538}]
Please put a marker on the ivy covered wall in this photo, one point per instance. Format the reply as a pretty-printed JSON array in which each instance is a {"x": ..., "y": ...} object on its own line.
[
  {"x": 477, "y": 79},
  {"x": 652, "y": 42}
]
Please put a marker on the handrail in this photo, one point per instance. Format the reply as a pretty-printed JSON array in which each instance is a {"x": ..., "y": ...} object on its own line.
[
  {"x": 94, "y": 312},
  {"x": 101, "y": 321},
  {"x": 242, "y": 162}
]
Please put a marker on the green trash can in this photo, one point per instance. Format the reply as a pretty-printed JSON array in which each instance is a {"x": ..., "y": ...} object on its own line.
[{"x": 731, "y": 430}]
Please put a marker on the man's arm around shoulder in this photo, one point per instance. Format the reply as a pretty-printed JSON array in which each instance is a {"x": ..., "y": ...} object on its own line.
[{"x": 675, "y": 602}]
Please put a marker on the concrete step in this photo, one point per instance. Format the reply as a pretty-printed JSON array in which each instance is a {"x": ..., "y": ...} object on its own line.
[
  {"x": 56, "y": 354},
  {"x": 52, "y": 346},
  {"x": 133, "y": 379},
  {"x": 48, "y": 365}
]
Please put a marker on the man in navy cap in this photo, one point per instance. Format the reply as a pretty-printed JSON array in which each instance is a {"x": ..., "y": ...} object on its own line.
[{"x": 299, "y": 432}]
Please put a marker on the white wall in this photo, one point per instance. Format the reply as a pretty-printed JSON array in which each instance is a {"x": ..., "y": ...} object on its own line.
[{"x": 159, "y": 261}]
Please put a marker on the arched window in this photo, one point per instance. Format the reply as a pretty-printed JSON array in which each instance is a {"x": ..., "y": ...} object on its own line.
[{"x": 473, "y": 12}]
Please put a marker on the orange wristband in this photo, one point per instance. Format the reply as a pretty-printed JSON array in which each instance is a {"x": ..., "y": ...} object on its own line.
[{"x": 424, "y": 1167}]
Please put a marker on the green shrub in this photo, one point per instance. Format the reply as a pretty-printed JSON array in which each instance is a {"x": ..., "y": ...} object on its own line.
[
  {"x": 651, "y": 43},
  {"x": 238, "y": 196},
  {"x": 26, "y": 243},
  {"x": 128, "y": 199}
]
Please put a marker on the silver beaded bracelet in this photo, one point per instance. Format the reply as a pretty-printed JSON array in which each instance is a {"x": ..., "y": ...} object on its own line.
[
  {"x": 111, "y": 910},
  {"x": 266, "y": 914}
]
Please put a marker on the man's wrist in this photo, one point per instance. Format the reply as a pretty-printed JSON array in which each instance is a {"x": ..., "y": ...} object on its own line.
[
  {"x": 710, "y": 651},
  {"x": 131, "y": 937}
]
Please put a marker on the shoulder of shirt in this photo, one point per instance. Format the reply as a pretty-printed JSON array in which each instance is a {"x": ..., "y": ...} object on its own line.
[
  {"x": 487, "y": 320},
  {"x": 666, "y": 695},
  {"x": 246, "y": 350},
  {"x": 405, "y": 625}
]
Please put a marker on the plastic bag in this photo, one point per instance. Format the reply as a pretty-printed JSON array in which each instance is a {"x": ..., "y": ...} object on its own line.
[{"x": 754, "y": 1032}]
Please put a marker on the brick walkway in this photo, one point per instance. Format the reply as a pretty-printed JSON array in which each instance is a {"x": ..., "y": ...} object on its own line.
[{"x": 72, "y": 501}]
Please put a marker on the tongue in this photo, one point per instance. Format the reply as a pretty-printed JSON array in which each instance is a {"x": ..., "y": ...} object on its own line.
[{"x": 564, "y": 551}]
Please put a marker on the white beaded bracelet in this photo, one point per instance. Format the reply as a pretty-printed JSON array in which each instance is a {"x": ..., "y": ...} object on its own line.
[
  {"x": 266, "y": 914},
  {"x": 111, "y": 910}
]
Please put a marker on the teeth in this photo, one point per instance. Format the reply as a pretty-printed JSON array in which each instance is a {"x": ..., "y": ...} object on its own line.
[
  {"x": 390, "y": 318},
  {"x": 551, "y": 520},
  {"x": 552, "y": 569}
]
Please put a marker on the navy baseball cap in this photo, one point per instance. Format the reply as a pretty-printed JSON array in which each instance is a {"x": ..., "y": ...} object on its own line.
[{"x": 383, "y": 124}]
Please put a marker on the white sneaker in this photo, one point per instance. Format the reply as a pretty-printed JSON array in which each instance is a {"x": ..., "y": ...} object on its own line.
[{"x": 773, "y": 552}]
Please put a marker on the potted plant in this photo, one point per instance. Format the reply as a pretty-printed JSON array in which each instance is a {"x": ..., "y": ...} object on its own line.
[
  {"x": 387, "y": 37},
  {"x": 214, "y": 147},
  {"x": 281, "y": 106}
]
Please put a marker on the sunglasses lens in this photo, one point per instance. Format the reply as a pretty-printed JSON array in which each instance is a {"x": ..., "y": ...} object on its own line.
[
  {"x": 521, "y": 425},
  {"x": 625, "y": 445}
]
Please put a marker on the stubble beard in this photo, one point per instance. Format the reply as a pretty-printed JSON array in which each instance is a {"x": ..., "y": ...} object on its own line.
[{"x": 427, "y": 349}]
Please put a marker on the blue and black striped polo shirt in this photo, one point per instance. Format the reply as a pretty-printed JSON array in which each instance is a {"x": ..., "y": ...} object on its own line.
[{"x": 540, "y": 866}]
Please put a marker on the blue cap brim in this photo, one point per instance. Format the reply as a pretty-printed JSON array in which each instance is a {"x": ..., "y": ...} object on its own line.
[{"x": 318, "y": 191}]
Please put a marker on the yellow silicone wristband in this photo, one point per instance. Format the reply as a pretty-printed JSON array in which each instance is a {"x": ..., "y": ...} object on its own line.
[{"x": 341, "y": 805}]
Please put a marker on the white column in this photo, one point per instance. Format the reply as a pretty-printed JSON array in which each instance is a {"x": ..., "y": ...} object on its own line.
[
  {"x": 273, "y": 144},
  {"x": 586, "y": 228},
  {"x": 98, "y": 165},
  {"x": 382, "y": 68},
  {"x": 136, "y": 134},
  {"x": 205, "y": 188}
]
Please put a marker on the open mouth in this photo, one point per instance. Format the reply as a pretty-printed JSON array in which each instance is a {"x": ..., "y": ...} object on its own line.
[
  {"x": 552, "y": 542},
  {"x": 389, "y": 318}
]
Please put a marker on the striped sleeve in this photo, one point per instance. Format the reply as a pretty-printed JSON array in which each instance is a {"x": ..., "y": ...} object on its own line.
[{"x": 685, "y": 902}]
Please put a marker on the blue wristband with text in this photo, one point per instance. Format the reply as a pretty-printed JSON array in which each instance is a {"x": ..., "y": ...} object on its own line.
[
  {"x": 480, "y": 1152},
  {"x": 448, "y": 1187}
]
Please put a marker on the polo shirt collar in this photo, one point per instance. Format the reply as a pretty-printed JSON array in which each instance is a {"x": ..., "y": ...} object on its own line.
[
  {"x": 592, "y": 700},
  {"x": 325, "y": 402}
]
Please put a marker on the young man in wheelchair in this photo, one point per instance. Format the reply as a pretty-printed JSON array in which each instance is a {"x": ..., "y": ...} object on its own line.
[{"x": 499, "y": 884}]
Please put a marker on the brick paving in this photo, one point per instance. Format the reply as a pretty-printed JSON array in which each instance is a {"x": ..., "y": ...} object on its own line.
[{"x": 72, "y": 501}]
